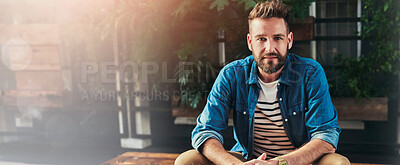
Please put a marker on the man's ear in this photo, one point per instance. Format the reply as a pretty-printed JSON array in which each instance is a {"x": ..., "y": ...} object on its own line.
[
  {"x": 290, "y": 40},
  {"x": 249, "y": 41}
]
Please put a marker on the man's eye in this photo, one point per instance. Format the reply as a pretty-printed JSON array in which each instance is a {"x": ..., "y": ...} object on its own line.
[
  {"x": 261, "y": 39},
  {"x": 278, "y": 38}
]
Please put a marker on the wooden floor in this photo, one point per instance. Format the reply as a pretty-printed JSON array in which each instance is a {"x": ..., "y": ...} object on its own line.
[
  {"x": 143, "y": 158},
  {"x": 364, "y": 164}
]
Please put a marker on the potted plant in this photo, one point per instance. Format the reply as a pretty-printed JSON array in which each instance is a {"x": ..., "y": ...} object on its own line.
[{"x": 367, "y": 78}]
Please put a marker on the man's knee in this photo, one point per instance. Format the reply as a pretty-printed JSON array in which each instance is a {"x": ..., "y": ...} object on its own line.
[
  {"x": 333, "y": 159},
  {"x": 191, "y": 157}
]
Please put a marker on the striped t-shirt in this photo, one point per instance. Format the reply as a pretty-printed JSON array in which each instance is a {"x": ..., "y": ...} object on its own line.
[{"x": 269, "y": 133}]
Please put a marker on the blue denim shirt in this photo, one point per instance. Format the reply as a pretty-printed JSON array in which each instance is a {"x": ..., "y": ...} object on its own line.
[{"x": 303, "y": 95}]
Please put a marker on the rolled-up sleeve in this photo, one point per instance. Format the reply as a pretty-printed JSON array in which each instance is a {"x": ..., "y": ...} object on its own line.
[
  {"x": 330, "y": 135},
  {"x": 214, "y": 117},
  {"x": 322, "y": 117}
]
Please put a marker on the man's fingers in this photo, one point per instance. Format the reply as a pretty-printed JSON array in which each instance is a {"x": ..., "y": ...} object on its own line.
[
  {"x": 262, "y": 156},
  {"x": 260, "y": 162}
]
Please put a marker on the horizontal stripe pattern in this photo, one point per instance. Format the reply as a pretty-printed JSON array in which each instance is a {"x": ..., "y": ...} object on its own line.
[{"x": 269, "y": 133}]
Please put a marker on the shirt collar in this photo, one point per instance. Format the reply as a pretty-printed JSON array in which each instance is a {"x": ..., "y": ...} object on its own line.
[
  {"x": 285, "y": 78},
  {"x": 253, "y": 74}
]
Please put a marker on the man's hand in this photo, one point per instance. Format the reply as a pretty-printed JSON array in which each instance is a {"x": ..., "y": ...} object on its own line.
[
  {"x": 262, "y": 156},
  {"x": 261, "y": 161}
]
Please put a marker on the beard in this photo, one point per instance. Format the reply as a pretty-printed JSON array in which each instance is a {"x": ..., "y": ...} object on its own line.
[{"x": 269, "y": 67}]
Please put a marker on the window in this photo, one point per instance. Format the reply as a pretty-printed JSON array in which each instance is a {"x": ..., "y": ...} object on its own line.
[{"x": 337, "y": 28}]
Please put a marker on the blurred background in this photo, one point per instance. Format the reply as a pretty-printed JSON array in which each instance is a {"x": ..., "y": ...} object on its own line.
[{"x": 85, "y": 81}]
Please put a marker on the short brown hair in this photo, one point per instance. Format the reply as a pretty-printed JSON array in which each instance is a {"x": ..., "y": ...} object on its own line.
[{"x": 269, "y": 9}]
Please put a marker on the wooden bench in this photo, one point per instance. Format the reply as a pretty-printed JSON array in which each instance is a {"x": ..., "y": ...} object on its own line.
[{"x": 143, "y": 158}]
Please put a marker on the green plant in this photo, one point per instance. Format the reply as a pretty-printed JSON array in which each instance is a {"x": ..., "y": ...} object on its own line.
[
  {"x": 195, "y": 75},
  {"x": 381, "y": 29},
  {"x": 198, "y": 52},
  {"x": 142, "y": 28},
  {"x": 299, "y": 8}
]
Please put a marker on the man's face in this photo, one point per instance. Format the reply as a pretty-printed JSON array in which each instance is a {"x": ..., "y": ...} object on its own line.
[{"x": 269, "y": 42}]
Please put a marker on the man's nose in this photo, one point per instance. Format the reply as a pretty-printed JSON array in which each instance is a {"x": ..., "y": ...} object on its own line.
[{"x": 269, "y": 46}]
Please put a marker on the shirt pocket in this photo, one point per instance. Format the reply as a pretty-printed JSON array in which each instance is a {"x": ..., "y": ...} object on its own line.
[
  {"x": 297, "y": 110},
  {"x": 241, "y": 111},
  {"x": 241, "y": 118},
  {"x": 296, "y": 116}
]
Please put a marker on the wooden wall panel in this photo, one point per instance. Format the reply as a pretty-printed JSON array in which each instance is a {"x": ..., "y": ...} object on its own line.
[
  {"x": 21, "y": 98},
  {"x": 38, "y": 58},
  {"x": 34, "y": 34},
  {"x": 373, "y": 109},
  {"x": 39, "y": 80},
  {"x": 303, "y": 31},
  {"x": 46, "y": 54}
]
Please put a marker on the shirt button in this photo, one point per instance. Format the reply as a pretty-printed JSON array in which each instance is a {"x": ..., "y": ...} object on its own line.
[
  {"x": 286, "y": 120},
  {"x": 294, "y": 113},
  {"x": 305, "y": 108},
  {"x": 280, "y": 99},
  {"x": 279, "y": 83},
  {"x": 244, "y": 112}
]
